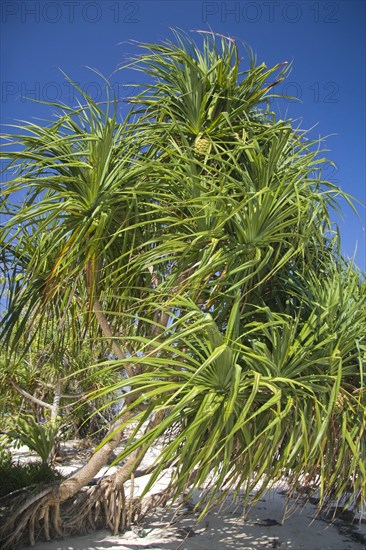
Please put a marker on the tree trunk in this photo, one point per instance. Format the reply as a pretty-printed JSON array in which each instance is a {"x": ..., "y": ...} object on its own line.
[
  {"x": 55, "y": 407},
  {"x": 104, "y": 325},
  {"x": 42, "y": 511},
  {"x": 82, "y": 477},
  {"x": 72, "y": 507}
]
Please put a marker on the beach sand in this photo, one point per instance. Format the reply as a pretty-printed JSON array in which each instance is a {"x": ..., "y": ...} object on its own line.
[{"x": 224, "y": 528}]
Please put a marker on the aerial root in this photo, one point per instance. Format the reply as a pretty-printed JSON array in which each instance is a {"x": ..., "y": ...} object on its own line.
[{"x": 97, "y": 507}]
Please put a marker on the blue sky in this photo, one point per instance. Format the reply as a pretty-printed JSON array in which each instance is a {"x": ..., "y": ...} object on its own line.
[{"x": 324, "y": 40}]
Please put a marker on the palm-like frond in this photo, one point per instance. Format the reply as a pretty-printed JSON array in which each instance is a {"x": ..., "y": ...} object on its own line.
[{"x": 251, "y": 408}]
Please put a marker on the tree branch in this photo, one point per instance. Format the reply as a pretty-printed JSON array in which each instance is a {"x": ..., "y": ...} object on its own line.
[
  {"x": 30, "y": 397},
  {"x": 104, "y": 325}
]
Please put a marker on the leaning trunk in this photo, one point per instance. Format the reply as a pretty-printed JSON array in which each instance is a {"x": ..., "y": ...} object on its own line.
[{"x": 74, "y": 506}]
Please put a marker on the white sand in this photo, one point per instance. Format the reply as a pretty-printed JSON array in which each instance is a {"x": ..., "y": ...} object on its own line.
[{"x": 223, "y": 528}]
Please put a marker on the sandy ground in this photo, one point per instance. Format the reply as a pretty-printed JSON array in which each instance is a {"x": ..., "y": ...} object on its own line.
[{"x": 223, "y": 528}]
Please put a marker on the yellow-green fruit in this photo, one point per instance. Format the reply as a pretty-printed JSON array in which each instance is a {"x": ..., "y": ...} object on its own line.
[
  {"x": 201, "y": 145},
  {"x": 339, "y": 404},
  {"x": 253, "y": 253}
]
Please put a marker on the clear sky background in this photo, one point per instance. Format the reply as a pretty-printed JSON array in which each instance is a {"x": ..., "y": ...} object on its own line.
[{"x": 325, "y": 40}]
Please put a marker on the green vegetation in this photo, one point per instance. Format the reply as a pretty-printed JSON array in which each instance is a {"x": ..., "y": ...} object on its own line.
[
  {"x": 32, "y": 476},
  {"x": 184, "y": 257},
  {"x": 38, "y": 437},
  {"x": 15, "y": 476}
]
